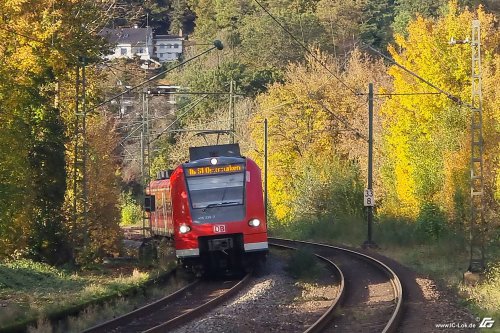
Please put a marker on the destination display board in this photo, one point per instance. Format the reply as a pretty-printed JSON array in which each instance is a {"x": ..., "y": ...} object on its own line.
[{"x": 214, "y": 170}]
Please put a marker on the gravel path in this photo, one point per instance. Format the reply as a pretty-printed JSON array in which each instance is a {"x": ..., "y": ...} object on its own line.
[
  {"x": 275, "y": 302},
  {"x": 427, "y": 304}
]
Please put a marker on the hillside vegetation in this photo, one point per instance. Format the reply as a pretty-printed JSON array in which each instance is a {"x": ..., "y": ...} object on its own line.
[{"x": 303, "y": 65}]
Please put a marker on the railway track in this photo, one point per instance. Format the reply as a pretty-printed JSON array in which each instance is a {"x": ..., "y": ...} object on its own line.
[
  {"x": 369, "y": 297},
  {"x": 371, "y": 293},
  {"x": 175, "y": 309},
  {"x": 323, "y": 321}
]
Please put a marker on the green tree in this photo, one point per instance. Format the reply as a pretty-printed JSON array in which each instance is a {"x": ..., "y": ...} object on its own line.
[
  {"x": 259, "y": 46},
  {"x": 407, "y": 10},
  {"x": 375, "y": 25},
  {"x": 47, "y": 165}
]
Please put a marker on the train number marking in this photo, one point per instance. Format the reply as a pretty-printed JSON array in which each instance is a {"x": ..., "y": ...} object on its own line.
[
  {"x": 219, "y": 228},
  {"x": 206, "y": 217}
]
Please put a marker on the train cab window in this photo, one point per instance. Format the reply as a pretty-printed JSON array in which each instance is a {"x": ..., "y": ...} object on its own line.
[{"x": 216, "y": 190}]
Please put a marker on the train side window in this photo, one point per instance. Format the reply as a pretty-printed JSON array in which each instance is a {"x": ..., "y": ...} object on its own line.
[{"x": 149, "y": 203}]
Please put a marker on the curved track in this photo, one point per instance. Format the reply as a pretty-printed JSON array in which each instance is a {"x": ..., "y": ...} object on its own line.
[
  {"x": 373, "y": 292},
  {"x": 173, "y": 310},
  {"x": 323, "y": 321}
]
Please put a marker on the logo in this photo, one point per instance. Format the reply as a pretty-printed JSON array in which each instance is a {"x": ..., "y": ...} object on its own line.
[
  {"x": 487, "y": 322},
  {"x": 222, "y": 228}
]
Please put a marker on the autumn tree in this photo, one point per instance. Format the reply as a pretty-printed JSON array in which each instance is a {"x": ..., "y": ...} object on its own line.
[
  {"x": 41, "y": 42},
  {"x": 317, "y": 121},
  {"x": 426, "y": 136},
  {"x": 103, "y": 188}
]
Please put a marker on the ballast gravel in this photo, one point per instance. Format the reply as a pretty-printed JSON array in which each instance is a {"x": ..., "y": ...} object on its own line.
[{"x": 274, "y": 302}]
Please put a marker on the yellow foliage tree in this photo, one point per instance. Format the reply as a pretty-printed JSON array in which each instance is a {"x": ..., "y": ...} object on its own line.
[
  {"x": 40, "y": 43},
  {"x": 426, "y": 136},
  {"x": 103, "y": 188},
  {"x": 314, "y": 118}
]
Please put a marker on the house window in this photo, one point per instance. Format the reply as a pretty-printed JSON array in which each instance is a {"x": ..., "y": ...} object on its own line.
[
  {"x": 161, "y": 55},
  {"x": 162, "y": 46},
  {"x": 123, "y": 51},
  {"x": 176, "y": 46},
  {"x": 141, "y": 50},
  {"x": 169, "y": 46}
]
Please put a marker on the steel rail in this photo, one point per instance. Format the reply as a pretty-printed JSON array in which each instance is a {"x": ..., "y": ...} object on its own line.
[
  {"x": 327, "y": 316},
  {"x": 126, "y": 318},
  {"x": 192, "y": 314},
  {"x": 396, "y": 316}
]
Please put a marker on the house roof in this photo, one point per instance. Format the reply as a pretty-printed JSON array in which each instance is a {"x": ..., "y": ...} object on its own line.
[
  {"x": 131, "y": 36},
  {"x": 168, "y": 37}
]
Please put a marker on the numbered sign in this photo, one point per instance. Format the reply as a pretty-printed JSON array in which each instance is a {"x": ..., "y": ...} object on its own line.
[{"x": 369, "y": 199}]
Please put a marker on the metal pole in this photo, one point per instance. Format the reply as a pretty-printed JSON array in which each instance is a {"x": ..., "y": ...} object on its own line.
[
  {"x": 75, "y": 159},
  {"x": 369, "y": 242},
  {"x": 231, "y": 111},
  {"x": 143, "y": 161},
  {"x": 477, "y": 223},
  {"x": 370, "y": 156},
  {"x": 265, "y": 166},
  {"x": 147, "y": 159},
  {"x": 84, "y": 153}
]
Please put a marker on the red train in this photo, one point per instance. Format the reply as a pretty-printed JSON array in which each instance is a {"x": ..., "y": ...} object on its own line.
[{"x": 213, "y": 209}]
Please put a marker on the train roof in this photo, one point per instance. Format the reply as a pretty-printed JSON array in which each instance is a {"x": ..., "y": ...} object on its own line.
[
  {"x": 159, "y": 184},
  {"x": 226, "y": 150},
  {"x": 221, "y": 160}
]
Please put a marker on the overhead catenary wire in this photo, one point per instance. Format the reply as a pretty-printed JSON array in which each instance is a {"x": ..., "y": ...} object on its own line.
[
  {"x": 404, "y": 94},
  {"x": 449, "y": 95},
  {"x": 355, "y": 93},
  {"x": 306, "y": 48},
  {"x": 194, "y": 104},
  {"x": 343, "y": 121},
  {"x": 217, "y": 45},
  {"x": 139, "y": 125},
  {"x": 224, "y": 121},
  {"x": 441, "y": 91}
]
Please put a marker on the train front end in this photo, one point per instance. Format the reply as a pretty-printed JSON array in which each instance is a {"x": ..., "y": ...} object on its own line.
[{"x": 218, "y": 210}]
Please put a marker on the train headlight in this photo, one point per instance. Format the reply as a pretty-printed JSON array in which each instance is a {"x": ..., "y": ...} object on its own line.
[
  {"x": 184, "y": 229},
  {"x": 214, "y": 161},
  {"x": 254, "y": 222}
]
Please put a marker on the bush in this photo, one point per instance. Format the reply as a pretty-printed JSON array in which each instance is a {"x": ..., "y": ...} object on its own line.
[
  {"x": 302, "y": 264},
  {"x": 390, "y": 230},
  {"x": 131, "y": 212},
  {"x": 330, "y": 187},
  {"x": 431, "y": 220},
  {"x": 346, "y": 230}
]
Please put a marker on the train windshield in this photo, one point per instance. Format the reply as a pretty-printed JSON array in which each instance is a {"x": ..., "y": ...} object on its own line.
[{"x": 216, "y": 191}]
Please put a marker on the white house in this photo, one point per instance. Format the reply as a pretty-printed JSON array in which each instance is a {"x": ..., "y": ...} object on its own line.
[
  {"x": 167, "y": 47},
  {"x": 130, "y": 42}
]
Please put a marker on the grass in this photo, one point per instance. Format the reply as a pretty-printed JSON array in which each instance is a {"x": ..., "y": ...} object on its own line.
[
  {"x": 485, "y": 297},
  {"x": 302, "y": 264},
  {"x": 31, "y": 290},
  {"x": 99, "y": 313},
  {"x": 445, "y": 259}
]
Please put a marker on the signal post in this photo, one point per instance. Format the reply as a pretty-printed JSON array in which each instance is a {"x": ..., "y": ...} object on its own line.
[{"x": 369, "y": 200}]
